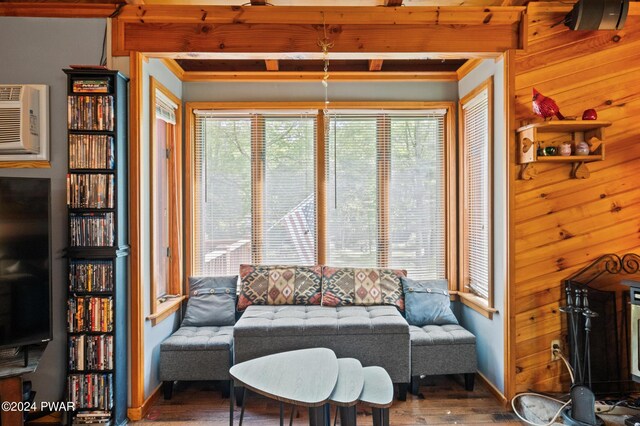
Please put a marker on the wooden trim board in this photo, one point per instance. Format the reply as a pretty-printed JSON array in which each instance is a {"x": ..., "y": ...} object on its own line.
[
  {"x": 58, "y": 10},
  {"x": 493, "y": 389},
  {"x": 136, "y": 315},
  {"x": 138, "y": 413},
  {"x": 204, "y": 76}
]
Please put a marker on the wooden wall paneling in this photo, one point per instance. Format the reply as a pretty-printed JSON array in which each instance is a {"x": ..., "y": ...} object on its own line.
[{"x": 561, "y": 225}]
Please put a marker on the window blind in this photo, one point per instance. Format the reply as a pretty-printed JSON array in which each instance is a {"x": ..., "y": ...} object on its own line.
[
  {"x": 288, "y": 198},
  {"x": 257, "y": 197},
  {"x": 222, "y": 194},
  {"x": 386, "y": 190},
  {"x": 477, "y": 195},
  {"x": 165, "y": 108}
]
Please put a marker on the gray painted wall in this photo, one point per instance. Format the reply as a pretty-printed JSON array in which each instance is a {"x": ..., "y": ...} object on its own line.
[
  {"x": 35, "y": 51},
  {"x": 153, "y": 335},
  {"x": 314, "y": 91},
  {"x": 490, "y": 333}
]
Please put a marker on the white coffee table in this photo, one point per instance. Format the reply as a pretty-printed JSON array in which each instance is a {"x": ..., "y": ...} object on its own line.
[
  {"x": 305, "y": 377},
  {"x": 315, "y": 378}
]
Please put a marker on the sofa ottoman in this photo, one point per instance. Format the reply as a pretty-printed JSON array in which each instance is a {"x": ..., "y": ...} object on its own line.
[
  {"x": 442, "y": 349},
  {"x": 196, "y": 353},
  {"x": 375, "y": 335}
]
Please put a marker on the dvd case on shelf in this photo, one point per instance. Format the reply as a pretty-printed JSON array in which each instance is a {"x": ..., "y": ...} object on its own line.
[{"x": 91, "y": 275}]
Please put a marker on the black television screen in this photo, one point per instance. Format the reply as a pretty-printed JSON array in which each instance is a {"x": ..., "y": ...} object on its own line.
[{"x": 25, "y": 279}]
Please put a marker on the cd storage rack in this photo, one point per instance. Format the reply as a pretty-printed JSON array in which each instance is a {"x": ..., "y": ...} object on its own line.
[{"x": 97, "y": 247}]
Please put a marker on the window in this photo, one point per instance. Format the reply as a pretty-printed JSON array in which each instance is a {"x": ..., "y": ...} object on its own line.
[
  {"x": 166, "y": 206},
  {"x": 475, "y": 189},
  {"x": 254, "y": 190},
  {"x": 382, "y": 178},
  {"x": 386, "y": 191}
]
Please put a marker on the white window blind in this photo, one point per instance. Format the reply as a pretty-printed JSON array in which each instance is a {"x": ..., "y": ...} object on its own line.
[
  {"x": 386, "y": 190},
  {"x": 476, "y": 149},
  {"x": 222, "y": 195},
  {"x": 288, "y": 206},
  {"x": 165, "y": 108},
  {"x": 259, "y": 201}
]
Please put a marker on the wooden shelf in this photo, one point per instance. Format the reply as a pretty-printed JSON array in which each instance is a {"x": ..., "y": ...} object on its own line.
[
  {"x": 570, "y": 159},
  {"x": 566, "y": 126},
  {"x": 534, "y": 137}
]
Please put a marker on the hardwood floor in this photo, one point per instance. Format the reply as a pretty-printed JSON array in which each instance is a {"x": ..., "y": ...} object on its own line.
[{"x": 443, "y": 401}]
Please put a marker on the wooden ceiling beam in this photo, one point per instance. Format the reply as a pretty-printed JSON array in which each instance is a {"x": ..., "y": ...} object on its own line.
[
  {"x": 268, "y": 39},
  {"x": 58, "y": 10},
  {"x": 272, "y": 64},
  {"x": 393, "y": 3},
  {"x": 375, "y": 64},
  {"x": 316, "y": 15}
]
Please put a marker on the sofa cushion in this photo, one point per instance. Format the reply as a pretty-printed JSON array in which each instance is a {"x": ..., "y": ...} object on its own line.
[
  {"x": 199, "y": 339},
  {"x": 279, "y": 285},
  {"x": 197, "y": 353},
  {"x": 212, "y": 301},
  {"x": 362, "y": 286},
  {"x": 431, "y": 335},
  {"x": 442, "y": 349},
  {"x": 427, "y": 302},
  {"x": 265, "y": 321}
]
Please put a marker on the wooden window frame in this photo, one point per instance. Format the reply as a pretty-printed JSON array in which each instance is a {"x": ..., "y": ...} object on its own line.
[
  {"x": 483, "y": 306},
  {"x": 192, "y": 221},
  {"x": 162, "y": 309}
]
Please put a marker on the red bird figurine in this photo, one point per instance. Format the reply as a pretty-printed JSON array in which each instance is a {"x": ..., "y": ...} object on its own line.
[{"x": 545, "y": 107}]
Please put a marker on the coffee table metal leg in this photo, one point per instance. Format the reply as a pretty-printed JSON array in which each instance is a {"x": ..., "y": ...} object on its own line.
[
  {"x": 293, "y": 411},
  {"x": 244, "y": 404},
  {"x": 281, "y": 414},
  {"x": 347, "y": 416},
  {"x": 231, "y": 398},
  {"x": 320, "y": 416},
  {"x": 380, "y": 416}
]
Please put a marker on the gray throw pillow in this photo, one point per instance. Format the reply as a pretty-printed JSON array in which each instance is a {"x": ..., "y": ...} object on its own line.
[
  {"x": 212, "y": 301},
  {"x": 427, "y": 302}
]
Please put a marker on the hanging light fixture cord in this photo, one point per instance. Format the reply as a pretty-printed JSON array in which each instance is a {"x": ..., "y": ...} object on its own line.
[{"x": 325, "y": 44}]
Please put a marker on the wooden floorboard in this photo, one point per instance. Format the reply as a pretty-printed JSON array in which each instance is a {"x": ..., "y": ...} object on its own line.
[{"x": 443, "y": 401}]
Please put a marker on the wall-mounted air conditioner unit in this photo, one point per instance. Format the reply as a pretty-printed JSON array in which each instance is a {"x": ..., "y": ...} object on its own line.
[{"x": 24, "y": 124}]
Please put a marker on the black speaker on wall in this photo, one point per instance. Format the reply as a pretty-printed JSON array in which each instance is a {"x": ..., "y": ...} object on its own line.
[{"x": 597, "y": 15}]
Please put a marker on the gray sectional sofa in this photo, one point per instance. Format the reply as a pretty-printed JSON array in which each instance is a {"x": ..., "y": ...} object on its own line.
[{"x": 365, "y": 322}]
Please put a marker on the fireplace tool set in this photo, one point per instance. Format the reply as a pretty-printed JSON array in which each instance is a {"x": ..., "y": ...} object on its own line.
[{"x": 581, "y": 412}]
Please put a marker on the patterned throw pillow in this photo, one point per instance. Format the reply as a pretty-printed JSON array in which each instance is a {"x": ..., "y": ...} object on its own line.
[
  {"x": 362, "y": 286},
  {"x": 279, "y": 285}
]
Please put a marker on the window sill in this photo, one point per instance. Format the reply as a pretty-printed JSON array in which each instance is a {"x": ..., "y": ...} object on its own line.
[
  {"x": 478, "y": 304},
  {"x": 164, "y": 309}
]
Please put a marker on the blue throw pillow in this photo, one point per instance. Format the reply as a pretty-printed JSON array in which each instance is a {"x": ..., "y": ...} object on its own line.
[
  {"x": 212, "y": 302},
  {"x": 427, "y": 302}
]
